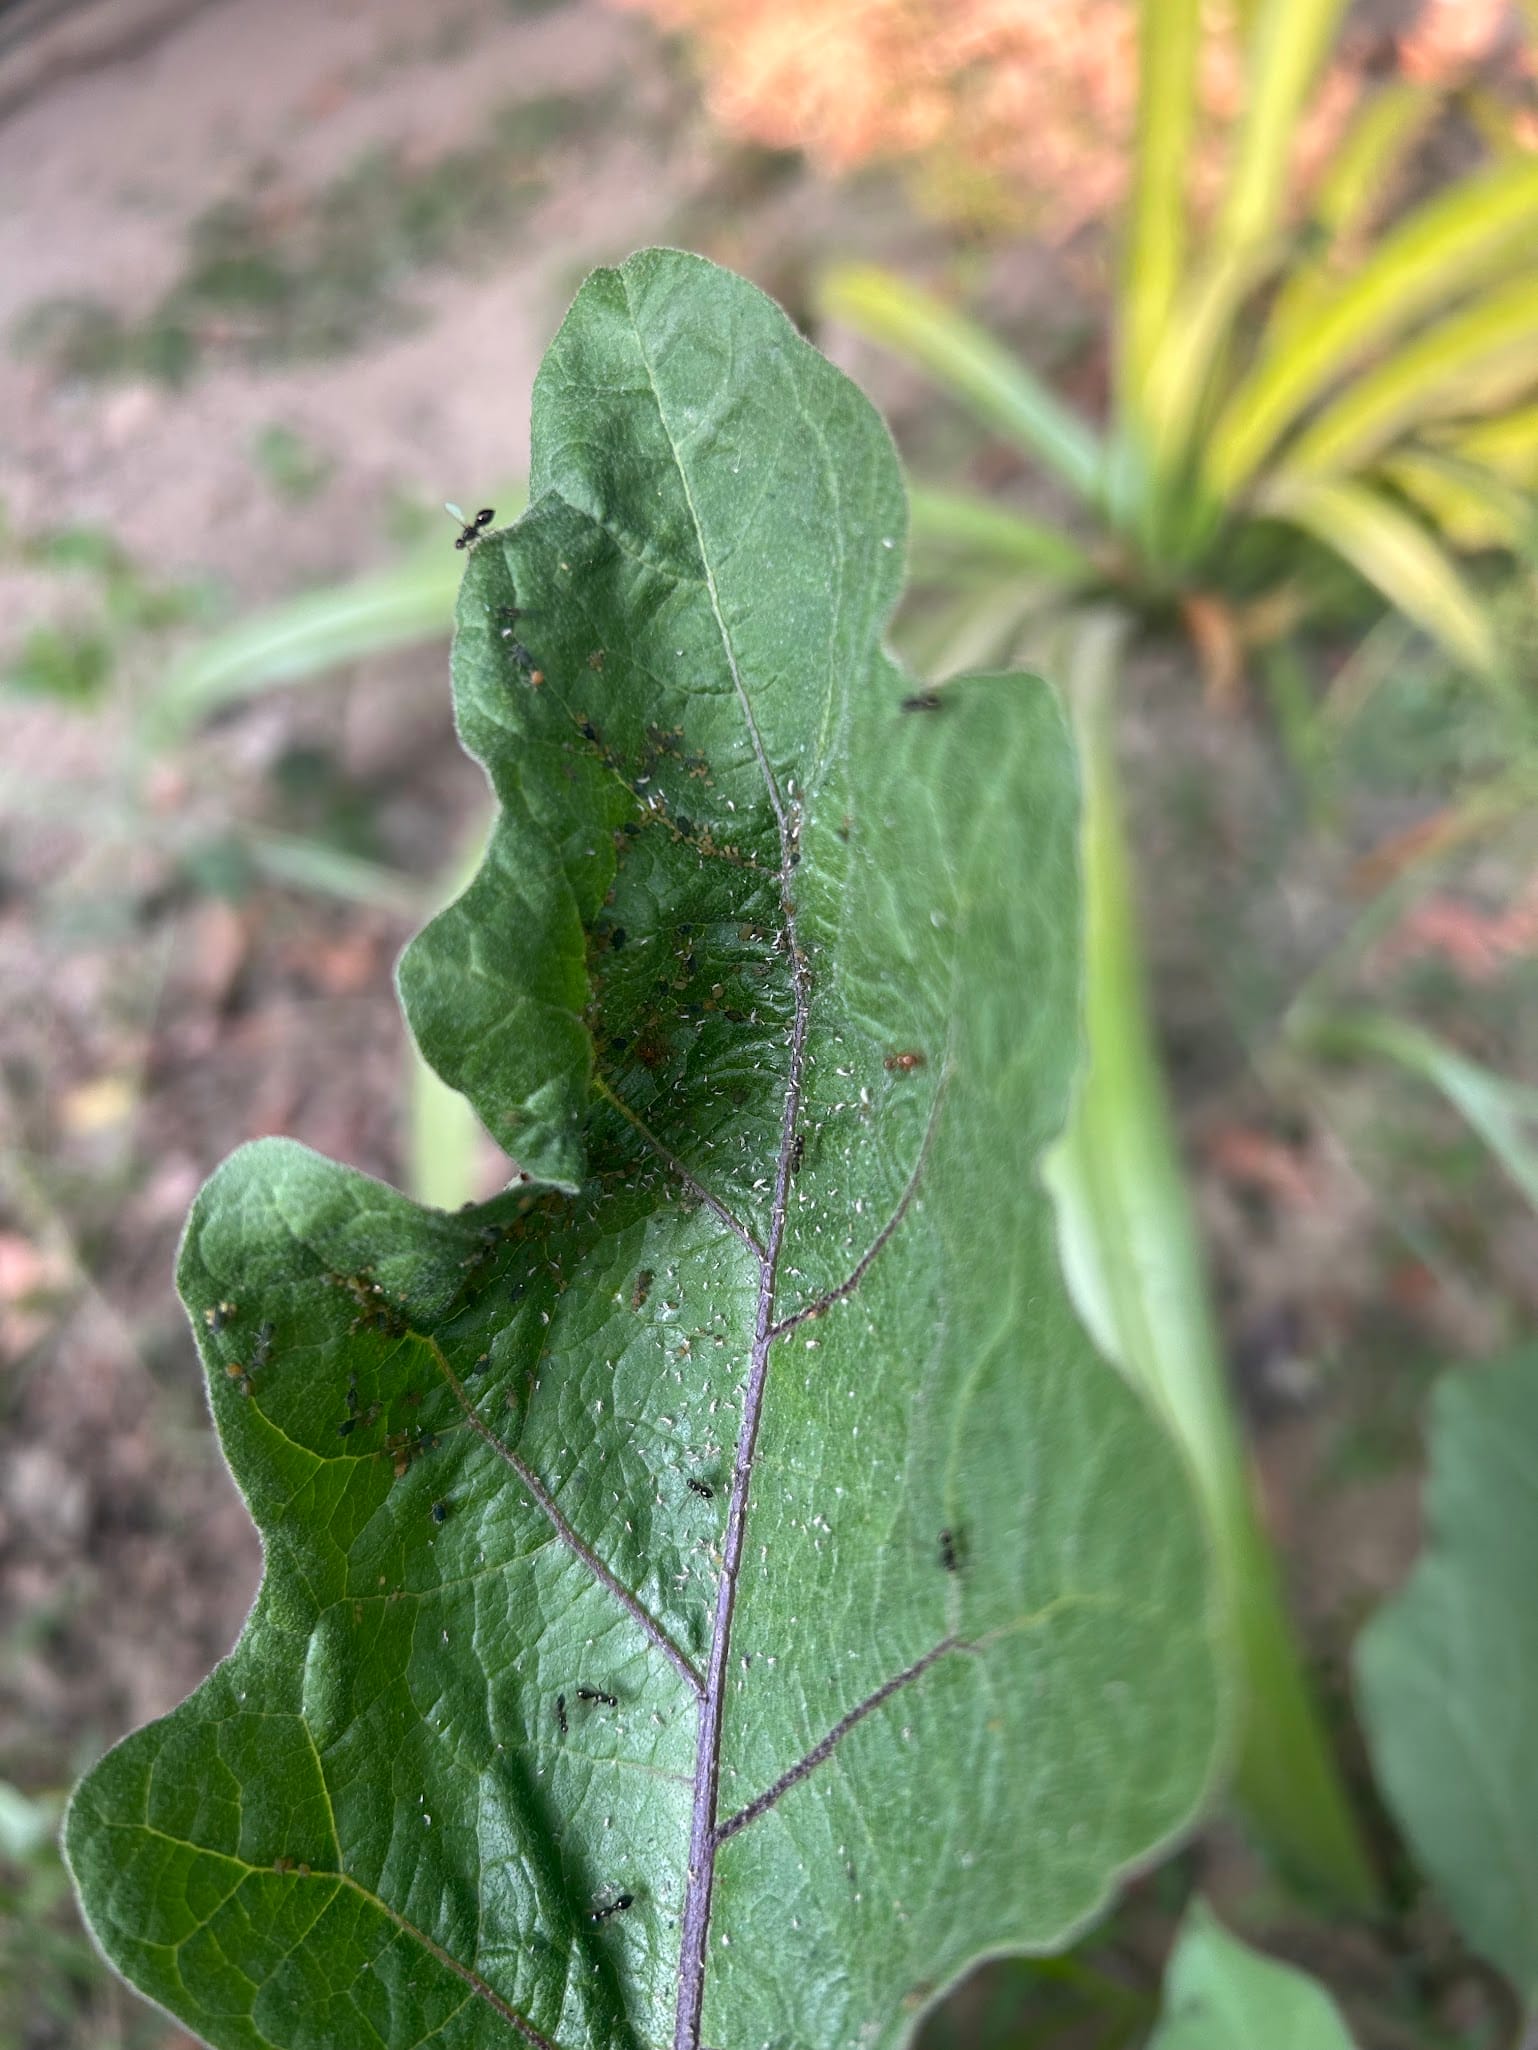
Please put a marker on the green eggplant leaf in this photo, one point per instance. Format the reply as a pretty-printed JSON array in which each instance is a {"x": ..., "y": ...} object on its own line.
[
  {"x": 714, "y": 1592},
  {"x": 1447, "y": 1671},
  {"x": 1220, "y": 1994}
]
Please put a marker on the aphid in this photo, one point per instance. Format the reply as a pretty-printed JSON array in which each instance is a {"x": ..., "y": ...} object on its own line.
[
  {"x": 560, "y": 1713},
  {"x": 922, "y": 701},
  {"x": 219, "y": 1316},
  {"x": 703, "y": 1489},
  {"x": 617, "y": 1906},
  {"x": 440, "y": 1512},
  {"x": 479, "y": 1365},
  {"x": 471, "y": 529},
  {"x": 950, "y": 1551},
  {"x": 597, "y": 1694},
  {"x": 346, "y": 1427},
  {"x": 234, "y": 1369},
  {"x": 902, "y": 1063},
  {"x": 595, "y": 660},
  {"x": 797, "y": 1152},
  {"x": 642, "y": 1289}
]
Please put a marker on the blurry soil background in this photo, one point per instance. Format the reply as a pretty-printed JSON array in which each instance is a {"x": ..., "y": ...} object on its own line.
[{"x": 275, "y": 277}]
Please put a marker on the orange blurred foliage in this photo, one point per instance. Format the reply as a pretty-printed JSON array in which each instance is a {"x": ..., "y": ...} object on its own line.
[{"x": 1005, "y": 112}]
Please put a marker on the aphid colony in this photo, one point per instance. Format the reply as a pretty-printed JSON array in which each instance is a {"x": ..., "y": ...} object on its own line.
[{"x": 218, "y": 1319}]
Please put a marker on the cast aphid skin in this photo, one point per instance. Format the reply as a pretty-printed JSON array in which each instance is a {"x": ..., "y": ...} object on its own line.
[
  {"x": 597, "y": 1694},
  {"x": 617, "y": 1906},
  {"x": 470, "y": 529},
  {"x": 701, "y": 1488}
]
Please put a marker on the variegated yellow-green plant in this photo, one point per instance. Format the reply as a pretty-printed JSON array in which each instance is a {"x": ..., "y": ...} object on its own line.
[{"x": 1366, "y": 383}]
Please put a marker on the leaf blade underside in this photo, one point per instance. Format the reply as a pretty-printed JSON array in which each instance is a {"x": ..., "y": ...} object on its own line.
[{"x": 802, "y": 1579}]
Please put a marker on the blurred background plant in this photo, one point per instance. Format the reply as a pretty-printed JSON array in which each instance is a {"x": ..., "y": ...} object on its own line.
[{"x": 1234, "y": 304}]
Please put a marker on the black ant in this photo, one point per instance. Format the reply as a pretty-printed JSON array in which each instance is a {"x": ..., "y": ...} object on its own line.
[
  {"x": 617, "y": 1906},
  {"x": 471, "y": 529},
  {"x": 703, "y": 1489},
  {"x": 597, "y": 1694},
  {"x": 950, "y": 1552},
  {"x": 560, "y": 1713},
  {"x": 920, "y": 701},
  {"x": 797, "y": 1152}
]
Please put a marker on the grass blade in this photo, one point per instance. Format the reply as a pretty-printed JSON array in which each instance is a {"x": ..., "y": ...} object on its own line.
[
  {"x": 1396, "y": 555},
  {"x": 1133, "y": 1258},
  {"x": 985, "y": 538},
  {"x": 1366, "y": 162},
  {"x": 1445, "y": 247},
  {"x": 1169, "y": 39},
  {"x": 1474, "y": 509},
  {"x": 1491, "y": 344},
  {"x": 408, "y": 601},
  {"x": 1502, "y": 1112},
  {"x": 965, "y": 360},
  {"x": 1286, "y": 49}
]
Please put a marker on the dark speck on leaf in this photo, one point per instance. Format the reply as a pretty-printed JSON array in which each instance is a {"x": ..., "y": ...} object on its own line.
[{"x": 922, "y": 701}]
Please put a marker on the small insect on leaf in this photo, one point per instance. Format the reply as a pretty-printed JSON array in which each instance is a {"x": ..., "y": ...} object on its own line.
[
  {"x": 617, "y": 1906},
  {"x": 597, "y": 1694},
  {"x": 560, "y": 1713},
  {"x": 797, "y": 1152},
  {"x": 701, "y": 1488},
  {"x": 922, "y": 701},
  {"x": 902, "y": 1063},
  {"x": 950, "y": 1551},
  {"x": 219, "y": 1316},
  {"x": 440, "y": 1512},
  {"x": 470, "y": 530}
]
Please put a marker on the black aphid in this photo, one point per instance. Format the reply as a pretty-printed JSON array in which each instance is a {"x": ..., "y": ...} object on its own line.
[
  {"x": 617, "y": 1906},
  {"x": 950, "y": 1551},
  {"x": 346, "y": 1427},
  {"x": 922, "y": 701},
  {"x": 701, "y": 1488},
  {"x": 440, "y": 1512},
  {"x": 597, "y": 1694}
]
